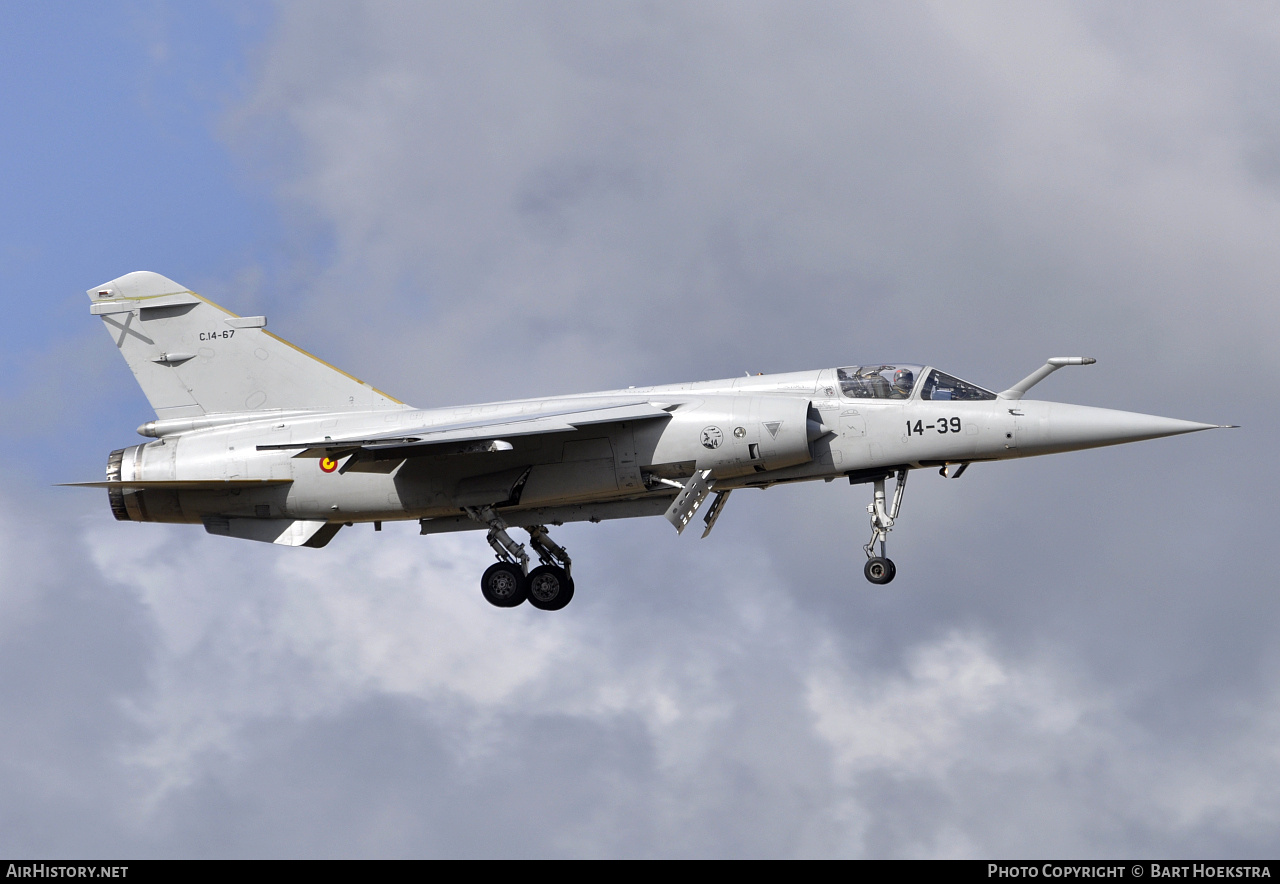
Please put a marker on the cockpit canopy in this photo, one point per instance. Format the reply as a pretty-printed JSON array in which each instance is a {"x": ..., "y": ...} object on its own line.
[
  {"x": 899, "y": 381},
  {"x": 878, "y": 381}
]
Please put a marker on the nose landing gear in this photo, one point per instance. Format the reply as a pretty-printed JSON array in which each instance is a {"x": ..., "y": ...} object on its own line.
[
  {"x": 508, "y": 582},
  {"x": 880, "y": 569}
]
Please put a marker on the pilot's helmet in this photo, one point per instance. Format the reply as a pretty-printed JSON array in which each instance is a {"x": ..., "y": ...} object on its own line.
[{"x": 904, "y": 379}]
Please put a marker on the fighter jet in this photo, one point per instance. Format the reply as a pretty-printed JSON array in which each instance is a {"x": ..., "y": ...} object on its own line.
[{"x": 259, "y": 440}]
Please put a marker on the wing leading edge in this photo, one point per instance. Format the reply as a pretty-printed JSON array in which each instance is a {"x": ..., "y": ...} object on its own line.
[{"x": 473, "y": 436}]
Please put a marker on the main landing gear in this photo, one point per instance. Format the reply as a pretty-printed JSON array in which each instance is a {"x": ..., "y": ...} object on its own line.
[
  {"x": 879, "y": 569},
  {"x": 508, "y": 582}
]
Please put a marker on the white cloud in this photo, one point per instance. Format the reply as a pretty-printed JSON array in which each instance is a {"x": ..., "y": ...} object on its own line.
[
  {"x": 1033, "y": 762},
  {"x": 922, "y": 722},
  {"x": 555, "y": 193},
  {"x": 951, "y": 747},
  {"x": 558, "y": 197}
]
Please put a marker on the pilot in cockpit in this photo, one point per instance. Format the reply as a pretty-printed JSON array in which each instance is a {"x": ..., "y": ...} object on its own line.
[{"x": 903, "y": 380}]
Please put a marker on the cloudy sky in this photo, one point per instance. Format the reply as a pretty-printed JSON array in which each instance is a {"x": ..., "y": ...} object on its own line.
[{"x": 464, "y": 202}]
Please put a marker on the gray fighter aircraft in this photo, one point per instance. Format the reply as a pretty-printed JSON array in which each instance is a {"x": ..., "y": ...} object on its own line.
[{"x": 258, "y": 439}]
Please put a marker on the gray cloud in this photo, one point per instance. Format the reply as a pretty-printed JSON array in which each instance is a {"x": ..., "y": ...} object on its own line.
[
  {"x": 364, "y": 701},
  {"x": 716, "y": 184}
]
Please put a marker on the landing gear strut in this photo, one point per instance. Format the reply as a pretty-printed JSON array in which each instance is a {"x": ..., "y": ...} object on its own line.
[
  {"x": 550, "y": 584},
  {"x": 508, "y": 582},
  {"x": 880, "y": 569}
]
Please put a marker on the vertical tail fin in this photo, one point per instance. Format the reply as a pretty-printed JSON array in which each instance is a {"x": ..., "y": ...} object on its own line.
[{"x": 192, "y": 357}]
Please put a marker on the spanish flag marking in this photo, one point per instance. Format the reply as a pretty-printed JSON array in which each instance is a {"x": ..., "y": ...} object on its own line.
[{"x": 328, "y": 464}]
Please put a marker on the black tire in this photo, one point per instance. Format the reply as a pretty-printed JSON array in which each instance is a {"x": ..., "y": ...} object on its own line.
[
  {"x": 879, "y": 570},
  {"x": 550, "y": 588},
  {"x": 504, "y": 585}
]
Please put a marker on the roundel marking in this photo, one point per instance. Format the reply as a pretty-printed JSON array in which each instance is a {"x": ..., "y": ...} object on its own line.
[
  {"x": 328, "y": 464},
  {"x": 712, "y": 437}
]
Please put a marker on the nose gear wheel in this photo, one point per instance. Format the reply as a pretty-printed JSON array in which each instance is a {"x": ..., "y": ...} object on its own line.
[{"x": 879, "y": 570}]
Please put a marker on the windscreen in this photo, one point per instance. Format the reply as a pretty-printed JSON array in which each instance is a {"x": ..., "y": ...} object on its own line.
[{"x": 939, "y": 386}]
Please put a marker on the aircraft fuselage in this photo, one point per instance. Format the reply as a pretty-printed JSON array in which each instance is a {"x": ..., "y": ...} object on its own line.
[
  {"x": 750, "y": 432},
  {"x": 258, "y": 439}
]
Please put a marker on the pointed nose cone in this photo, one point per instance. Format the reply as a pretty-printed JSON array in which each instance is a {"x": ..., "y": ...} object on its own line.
[{"x": 1049, "y": 427}]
